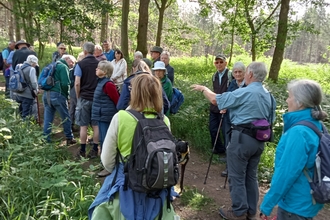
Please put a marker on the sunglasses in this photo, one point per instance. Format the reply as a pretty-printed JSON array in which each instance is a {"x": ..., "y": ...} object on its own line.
[
  {"x": 63, "y": 48},
  {"x": 217, "y": 62}
]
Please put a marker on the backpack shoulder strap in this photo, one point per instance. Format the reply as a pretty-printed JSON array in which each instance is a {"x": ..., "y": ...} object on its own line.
[
  {"x": 135, "y": 114},
  {"x": 311, "y": 126}
]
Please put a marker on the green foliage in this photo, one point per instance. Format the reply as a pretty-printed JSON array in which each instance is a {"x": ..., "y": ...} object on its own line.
[{"x": 38, "y": 181}]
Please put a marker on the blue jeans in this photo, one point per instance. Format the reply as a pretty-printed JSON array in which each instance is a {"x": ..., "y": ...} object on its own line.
[
  {"x": 103, "y": 129},
  {"x": 60, "y": 104},
  {"x": 25, "y": 106},
  {"x": 284, "y": 215}
]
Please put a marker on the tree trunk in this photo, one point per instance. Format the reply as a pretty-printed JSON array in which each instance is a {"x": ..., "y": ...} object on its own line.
[
  {"x": 11, "y": 22},
  {"x": 124, "y": 29},
  {"x": 143, "y": 27},
  {"x": 160, "y": 24},
  {"x": 233, "y": 34},
  {"x": 253, "y": 47},
  {"x": 104, "y": 25},
  {"x": 282, "y": 32},
  {"x": 17, "y": 25}
]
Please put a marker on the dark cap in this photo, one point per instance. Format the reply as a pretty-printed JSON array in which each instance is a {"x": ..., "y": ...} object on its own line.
[
  {"x": 221, "y": 56},
  {"x": 157, "y": 49},
  {"x": 21, "y": 42},
  {"x": 147, "y": 61}
]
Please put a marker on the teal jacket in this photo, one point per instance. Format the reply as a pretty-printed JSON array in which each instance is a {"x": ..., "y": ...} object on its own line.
[
  {"x": 62, "y": 79},
  {"x": 296, "y": 150}
]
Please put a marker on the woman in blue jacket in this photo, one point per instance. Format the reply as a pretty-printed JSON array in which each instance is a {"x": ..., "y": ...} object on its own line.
[{"x": 296, "y": 150}]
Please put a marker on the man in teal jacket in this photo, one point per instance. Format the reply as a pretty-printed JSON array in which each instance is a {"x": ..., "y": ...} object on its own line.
[{"x": 56, "y": 99}]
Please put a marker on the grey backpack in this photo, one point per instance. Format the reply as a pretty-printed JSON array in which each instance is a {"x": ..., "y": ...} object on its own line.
[
  {"x": 152, "y": 164},
  {"x": 320, "y": 184}
]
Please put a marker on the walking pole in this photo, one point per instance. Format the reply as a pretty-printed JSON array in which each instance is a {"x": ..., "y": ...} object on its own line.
[
  {"x": 39, "y": 122},
  {"x": 215, "y": 142}
]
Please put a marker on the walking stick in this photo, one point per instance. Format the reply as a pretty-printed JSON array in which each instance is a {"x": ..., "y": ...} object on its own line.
[
  {"x": 215, "y": 142},
  {"x": 39, "y": 122}
]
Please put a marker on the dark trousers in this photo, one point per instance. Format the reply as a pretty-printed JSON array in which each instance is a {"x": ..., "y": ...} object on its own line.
[
  {"x": 284, "y": 215},
  {"x": 243, "y": 156},
  {"x": 214, "y": 121}
]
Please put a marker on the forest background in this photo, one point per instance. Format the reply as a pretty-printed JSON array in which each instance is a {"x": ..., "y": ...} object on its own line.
[{"x": 292, "y": 29}]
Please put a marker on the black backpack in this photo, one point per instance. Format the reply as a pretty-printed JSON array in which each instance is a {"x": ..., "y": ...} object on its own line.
[
  {"x": 320, "y": 184},
  {"x": 1, "y": 60},
  {"x": 152, "y": 164}
]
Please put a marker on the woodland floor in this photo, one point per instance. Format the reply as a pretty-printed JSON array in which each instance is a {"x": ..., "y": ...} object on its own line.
[{"x": 194, "y": 180}]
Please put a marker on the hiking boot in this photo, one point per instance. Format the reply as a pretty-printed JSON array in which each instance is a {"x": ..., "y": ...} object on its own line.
[
  {"x": 103, "y": 173},
  {"x": 224, "y": 173},
  {"x": 71, "y": 141},
  {"x": 80, "y": 154},
  {"x": 251, "y": 217},
  {"x": 229, "y": 215},
  {"x": 92, "y": 154}
]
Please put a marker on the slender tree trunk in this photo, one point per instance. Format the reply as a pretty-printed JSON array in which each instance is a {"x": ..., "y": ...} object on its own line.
[
  {"x": 104, "y": 24},
  {"x": 160, "y": 25},
  {"x": 124, "y": 29},
  {"x": 11, "y": 22},
  {"x": 253, "y": 47},
  {"x": 143, "y": 27},
  {"x": 280, "y": 40},
  {"x": 233, "y": 33},
  {"x": 311, "y": 42},
  {"x": 17, "y": 23}
]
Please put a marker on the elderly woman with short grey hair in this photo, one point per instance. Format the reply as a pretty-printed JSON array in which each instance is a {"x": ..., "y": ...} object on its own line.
[
  {"x": 26, "y": 98},
  {"x": 247, "y": 105},
  {"x": 295, "y": 152}
]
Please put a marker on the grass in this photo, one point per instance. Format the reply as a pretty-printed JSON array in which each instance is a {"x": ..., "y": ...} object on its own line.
[{"x": 194, "y": 199}]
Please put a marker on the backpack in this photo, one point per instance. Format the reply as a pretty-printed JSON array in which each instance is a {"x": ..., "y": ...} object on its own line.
[
  {"x": 46, "y": 79},
  {"x": 152, "y": 164},
  {"x": 320, "y": 184},
  {"x": 177, "y": 100},
  {"x": 1, "y": 61},
  {"x": 17, "y": 81}
]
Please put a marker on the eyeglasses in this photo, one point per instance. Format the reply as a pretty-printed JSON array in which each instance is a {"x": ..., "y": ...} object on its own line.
[
  {"x": 217, "y": 62},
  {"x": 63, "y": 48}
]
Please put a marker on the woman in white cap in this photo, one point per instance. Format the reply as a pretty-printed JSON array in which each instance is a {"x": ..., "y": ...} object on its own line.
[
  {"x": 160, "y": 72},
  {"x": 26, "y": 97}
]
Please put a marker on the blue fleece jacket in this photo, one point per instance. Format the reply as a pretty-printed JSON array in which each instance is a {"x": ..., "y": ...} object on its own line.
[{"x": 296, "y": 150}]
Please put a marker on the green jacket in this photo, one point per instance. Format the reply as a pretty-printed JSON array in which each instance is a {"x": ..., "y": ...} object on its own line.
[
  {"x": 62, "y": 80},
  {"x": 167, "y": 86}
]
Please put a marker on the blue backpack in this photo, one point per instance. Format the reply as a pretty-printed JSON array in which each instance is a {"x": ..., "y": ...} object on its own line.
[
  {"x": 320, "y": 184},
  {"x": 17, "y": 81},
  {"x": 177, "y": 100},
  {"x": 46, "y": 79}
]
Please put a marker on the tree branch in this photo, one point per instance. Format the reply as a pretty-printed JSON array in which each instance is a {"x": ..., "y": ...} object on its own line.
[
  {"x": 6, "y": 7},
  {"x": 270, "y": 15},
  {"x": 157, "y": 4}
]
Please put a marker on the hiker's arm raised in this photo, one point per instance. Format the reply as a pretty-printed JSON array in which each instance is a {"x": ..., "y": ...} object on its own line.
[{"x": 206, "y": 92}]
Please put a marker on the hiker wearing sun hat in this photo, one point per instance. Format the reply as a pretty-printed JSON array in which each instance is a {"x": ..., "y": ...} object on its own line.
[
  {"x": 160, "y": 72},
  {"x": 21, "y": 53}
]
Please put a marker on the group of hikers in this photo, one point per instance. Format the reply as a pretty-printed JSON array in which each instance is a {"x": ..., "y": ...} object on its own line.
[
  {"x": 99, "y": 90},
  {"x": 241, "y": 108}
]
